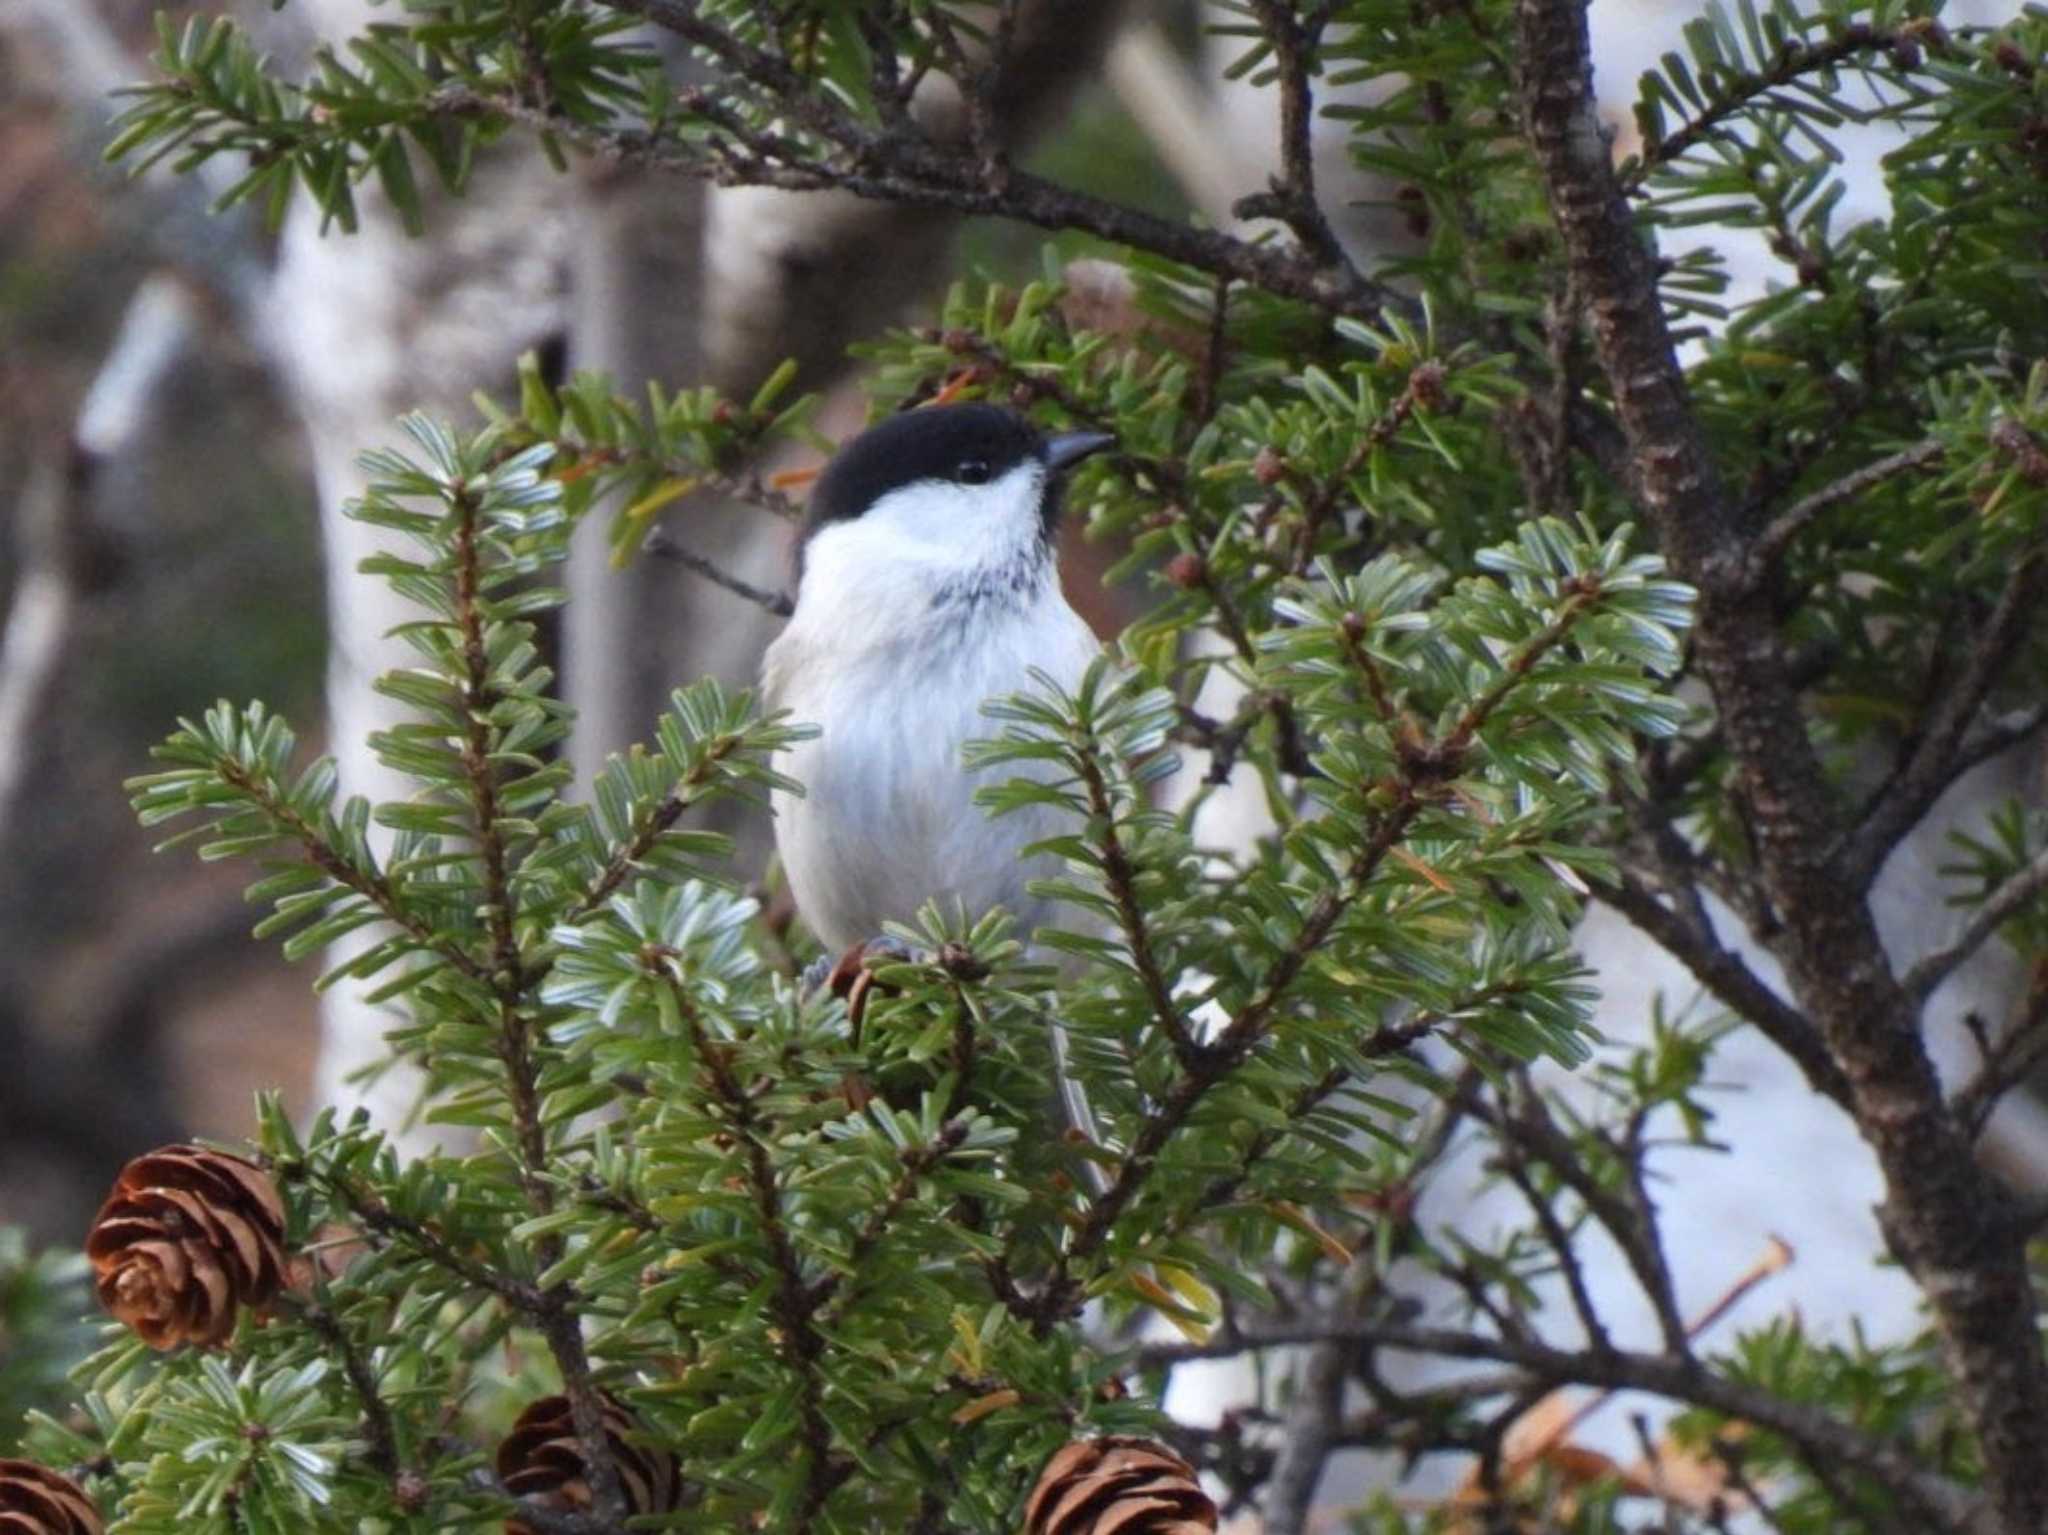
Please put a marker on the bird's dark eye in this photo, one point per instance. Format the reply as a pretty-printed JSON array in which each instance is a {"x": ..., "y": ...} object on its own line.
[{"x": 972, "y": 471}]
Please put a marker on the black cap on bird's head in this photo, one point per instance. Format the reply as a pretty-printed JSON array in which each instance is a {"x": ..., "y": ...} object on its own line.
[{"x": 954, "y": 444}]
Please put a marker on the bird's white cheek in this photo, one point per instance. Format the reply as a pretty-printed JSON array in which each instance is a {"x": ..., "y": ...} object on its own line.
[{"x": 936, "y": 520}]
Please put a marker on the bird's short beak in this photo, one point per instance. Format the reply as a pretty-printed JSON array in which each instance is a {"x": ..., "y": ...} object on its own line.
[{"x": 1069, "y": 448}]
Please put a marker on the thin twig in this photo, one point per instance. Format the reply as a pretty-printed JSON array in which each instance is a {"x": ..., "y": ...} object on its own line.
[
  {"x": 919, "y": 174},
  {"x": 1730, "y": 1457},
  {"x": 1215, "y": 358},
  {"x": 1777, "y": 1256},
  {"x": 1309, "y": 1434},
  {"x": 380, "y": 1219},
  {"x": 2019, "y": 1051},
  {"x": 1514, "y": 1166},
  {"x": 1779, "y": 532},
  {"x": 1425, "y": 382},
  {"x": 367, "y": 880},
  {"x": 580, "y": 457},
  {"x": 652, "y": 826},
  {"x": 1311, "y": 1097},
  {"x": 1292, "y": 197},
  {"x": 1630, "y": 1224},
  {"x": 378, "y": 1433},
  {"x": 1728, "y": 978},
  {"x": 2000, "y": 735},
  {"x": 976, "y": 89},
  {"x": 1930, "y": 762},
  {"x": 1794, "y": 59},
  {"x": 661, "y": 544},
  {"x": 2011, "y": 897},
  {"x": 1816, "y": 1435},
  {"x": 831, "y": 1295}
]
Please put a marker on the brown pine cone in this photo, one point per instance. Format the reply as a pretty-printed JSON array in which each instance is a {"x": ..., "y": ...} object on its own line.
[
  {"x": 34, "y": 1500},
  {"x": 541, "y": 1459},
  {"x": 188, "y": 1238},
  {"x": 1118, "y": 1486}
]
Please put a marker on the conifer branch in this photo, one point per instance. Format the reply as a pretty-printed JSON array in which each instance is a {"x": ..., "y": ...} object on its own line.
[
  {"x": 653, "y": 825},
  {"x": 917, "y": 174},
  {"x": 557, "y": 1320},
  {"x": 1424, "y": 766},
  {"x": 378, "y": 1433},
  {"x": 2007, "y": 1062},
  {"x": 377, "y": 1217},
  {"x": 1794, "y": 60},
  {"x": 1121, "y": 877},
  {"x": 1425, "y": 384},
  {"x": 2012, "y": 896},
  {"x": 1526, "y": 1125},
  {"x": 802, "y": 1346},
  {"x": 833, "y": 1295},
  {"x": 1729, "y": 980},
  {"x": 1932, "y": 755},
  {"x": 371, "y": 883}
]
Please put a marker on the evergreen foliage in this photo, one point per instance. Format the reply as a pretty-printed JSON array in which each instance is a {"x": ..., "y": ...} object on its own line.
[{"x": 851, "y": 1280}]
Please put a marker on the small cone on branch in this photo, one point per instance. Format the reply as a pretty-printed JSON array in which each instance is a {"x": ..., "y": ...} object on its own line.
[
  {"x": 1118, "y": 1486},
  {"x": 34, "y": 1500},
  {"x": 186, "y": 1240},
  {"x": 542, "y": 1459}
]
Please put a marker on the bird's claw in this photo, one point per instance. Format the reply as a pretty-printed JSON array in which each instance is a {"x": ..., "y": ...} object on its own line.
[
  {"x": 851, "y": 976},
  {"x": 838, "y": 972}
]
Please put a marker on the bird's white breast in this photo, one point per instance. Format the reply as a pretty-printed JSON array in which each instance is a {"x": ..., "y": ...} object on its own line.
[{"x": 894, "y": 673}]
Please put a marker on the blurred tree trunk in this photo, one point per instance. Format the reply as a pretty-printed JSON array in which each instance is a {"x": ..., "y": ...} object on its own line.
[
  {"x": 368, "y": 326},
  {"x": 63, "y": 1121}
]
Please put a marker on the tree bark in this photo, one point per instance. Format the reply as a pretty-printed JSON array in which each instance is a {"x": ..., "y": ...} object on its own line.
[
  {"x": 1948, "y": 1222},
  {"x": 368, "y": 326}
]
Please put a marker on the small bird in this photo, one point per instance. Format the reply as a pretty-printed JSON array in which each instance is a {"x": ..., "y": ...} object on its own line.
[{"x": 926, "y": 585}]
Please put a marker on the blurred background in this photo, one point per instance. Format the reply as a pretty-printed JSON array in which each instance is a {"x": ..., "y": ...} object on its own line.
[{"x": 133, "y": 1006}]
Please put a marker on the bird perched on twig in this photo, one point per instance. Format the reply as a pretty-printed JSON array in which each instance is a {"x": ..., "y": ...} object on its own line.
[{"x": 926, "y": 586}]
